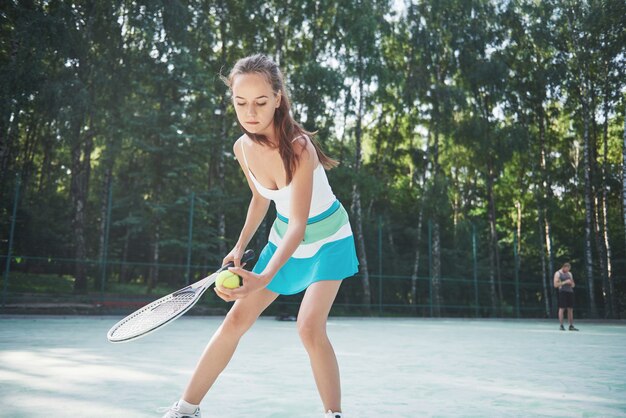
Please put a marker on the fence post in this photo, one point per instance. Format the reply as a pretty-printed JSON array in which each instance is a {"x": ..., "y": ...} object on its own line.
[
  {"x": 430, "y": 266},
  {"x": 189, "y": 235},
  {"x": 7, "y": 268},
  {"x": 380, "y": 266},
  {"x": 475, "y": 268},
  {"x": 516, "y": 259},
  {"x": 105, "y": 252}
]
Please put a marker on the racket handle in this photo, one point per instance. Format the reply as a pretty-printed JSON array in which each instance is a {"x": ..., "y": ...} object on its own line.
[{"x": 247, "y": 256}]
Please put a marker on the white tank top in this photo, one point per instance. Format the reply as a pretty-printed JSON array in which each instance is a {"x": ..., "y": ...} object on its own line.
[{"x": 321, "y": 200}]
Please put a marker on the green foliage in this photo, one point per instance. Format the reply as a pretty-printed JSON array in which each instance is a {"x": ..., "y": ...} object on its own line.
[
  {"x": 40, "y": 283},
  {"x": 468, "y": 109}
]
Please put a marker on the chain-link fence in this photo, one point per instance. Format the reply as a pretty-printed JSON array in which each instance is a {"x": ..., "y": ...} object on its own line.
[{"x": 128, "y": 271}]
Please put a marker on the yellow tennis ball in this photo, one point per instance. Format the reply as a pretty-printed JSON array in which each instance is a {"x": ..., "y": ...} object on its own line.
[{"x": 228, "y": 280}]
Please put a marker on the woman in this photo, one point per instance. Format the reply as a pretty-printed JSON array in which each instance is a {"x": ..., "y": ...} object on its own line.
[{"x": 310, "y": 245}]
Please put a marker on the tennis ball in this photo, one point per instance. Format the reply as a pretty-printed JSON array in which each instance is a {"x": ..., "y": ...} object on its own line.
[{"x": 228, "y": 280}]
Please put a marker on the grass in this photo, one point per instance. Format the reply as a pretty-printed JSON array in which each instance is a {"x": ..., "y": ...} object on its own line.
[
  {"x": 39, "y": 283},
  {"x": 54, "y": 284}
]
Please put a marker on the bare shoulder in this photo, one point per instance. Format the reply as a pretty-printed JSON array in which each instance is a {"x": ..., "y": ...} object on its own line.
[
  {"x": 238, "y": 144},
  {"x": 304, "y": 149}
]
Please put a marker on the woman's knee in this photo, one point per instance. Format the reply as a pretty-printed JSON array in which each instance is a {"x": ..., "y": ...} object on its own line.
[
  {"x": 312, "y": 332},
  {"x": 237, "y": 322}
]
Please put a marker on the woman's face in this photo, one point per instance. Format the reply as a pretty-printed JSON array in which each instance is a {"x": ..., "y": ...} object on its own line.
[{"x": 255, "y": 103}]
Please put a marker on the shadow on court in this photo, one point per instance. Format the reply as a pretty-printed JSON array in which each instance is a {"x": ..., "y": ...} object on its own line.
[{"x": 56, "y": 366}]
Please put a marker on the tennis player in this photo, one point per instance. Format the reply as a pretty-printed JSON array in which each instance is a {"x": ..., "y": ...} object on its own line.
[{"x": 310, "y": 246}]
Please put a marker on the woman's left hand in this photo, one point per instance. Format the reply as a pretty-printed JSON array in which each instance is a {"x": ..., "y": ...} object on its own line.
[{"x": 252, "y": 282}]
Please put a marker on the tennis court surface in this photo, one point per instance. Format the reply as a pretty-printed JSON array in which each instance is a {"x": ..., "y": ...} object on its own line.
[{"x": 64, "y": 367}]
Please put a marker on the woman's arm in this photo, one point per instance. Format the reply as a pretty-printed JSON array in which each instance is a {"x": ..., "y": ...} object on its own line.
[
  {"x": 257, "y": 209},
  {"x": 299, "y": 207},
  {"x": 300, "y": 204}
]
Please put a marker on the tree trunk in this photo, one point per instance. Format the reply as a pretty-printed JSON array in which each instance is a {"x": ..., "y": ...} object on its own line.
[
  {"x": 420, "y": 223},
  {"x": 356, "y": 210},
  {"x": 436, "y": 244},
  {"x": 546, "y": 196},
  {"x": 456, "y": 203},
  {"x": 81, "y": 169},
  {"x": 596, "y": 191},
  {"x": 518, "y": 207},
  {"x": 124, "y": 266},
  {"x": 614, "y": 312},
  {"x": 616, "y": 301},
  {"x": 605, "y": 212},
  {"x": 46, "y": 164},
  {"x": 547, "y": 233},
  {"x": 153, "y": 277},
  {"x": 588, "y": 201},
  {"x": 78, "y": 220},
  {"x": 29, "y": 147},
  {"x": 436, "y": 279},
  {"x": 346, "y": 112},
  {"x": 356, "y": 206},
  {"x": 601, "y": 255},
  {"x": 541, "y": 198},
  {"x": 545, "y": 282},
  {"x": 624, "y": 174},
  {"x": 391, "y": 243},
  {"x": 10, "y": 114},
  {"x": 278, "y": 36},
  {"x": 6, "y": 146},
  {"x": 416, "y": 262},
  {"x": 221, "y": 216},
  {"x": 104, "y": 204},
  {"x": 493, "y": 253}
]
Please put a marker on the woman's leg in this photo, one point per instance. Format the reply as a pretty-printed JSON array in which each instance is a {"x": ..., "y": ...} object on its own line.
[
  {"x": 223, "y": 343},
  {"x": 312, "y": 317}
]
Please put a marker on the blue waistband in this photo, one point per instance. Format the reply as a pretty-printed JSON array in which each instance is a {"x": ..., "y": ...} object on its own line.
[{"x": 332, "y": 209}]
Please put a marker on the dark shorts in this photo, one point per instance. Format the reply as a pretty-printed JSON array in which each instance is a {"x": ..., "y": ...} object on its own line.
[{"x": 566, "y": 299}]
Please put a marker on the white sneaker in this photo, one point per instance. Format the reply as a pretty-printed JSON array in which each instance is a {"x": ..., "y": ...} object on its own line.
[
  {"x": 174, "y": 412},
  {"x": 331, "y": 414}
]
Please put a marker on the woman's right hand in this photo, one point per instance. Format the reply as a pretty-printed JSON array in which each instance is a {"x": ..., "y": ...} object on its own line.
[{"x": 235, "y": 256}]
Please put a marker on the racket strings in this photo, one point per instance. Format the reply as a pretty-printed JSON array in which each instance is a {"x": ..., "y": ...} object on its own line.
[{"x": 153, "y": 315}]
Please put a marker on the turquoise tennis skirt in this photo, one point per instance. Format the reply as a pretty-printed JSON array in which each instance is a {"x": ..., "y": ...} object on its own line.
[{"x": 327, "y": 252}]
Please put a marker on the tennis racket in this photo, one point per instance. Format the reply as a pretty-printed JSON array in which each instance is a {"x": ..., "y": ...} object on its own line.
[{"x": 163, "y": 311}]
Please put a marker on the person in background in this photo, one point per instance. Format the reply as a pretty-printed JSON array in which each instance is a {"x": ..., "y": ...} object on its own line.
[{"x": 564, "y": 281}]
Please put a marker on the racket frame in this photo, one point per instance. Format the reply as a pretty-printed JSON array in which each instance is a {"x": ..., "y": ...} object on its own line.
[{"x": 198, "y": 288}]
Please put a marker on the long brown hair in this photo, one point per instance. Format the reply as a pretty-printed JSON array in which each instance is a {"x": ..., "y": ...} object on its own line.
[{"x": 286, "y": 127}]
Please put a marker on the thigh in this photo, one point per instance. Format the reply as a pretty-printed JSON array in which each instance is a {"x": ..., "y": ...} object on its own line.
[
  {"x": 248, "y": 309},
  {"x": 317, "y": 301}
]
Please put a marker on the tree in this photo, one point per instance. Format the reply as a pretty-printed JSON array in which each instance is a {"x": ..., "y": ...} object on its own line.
[
  {"x": 483, "y": 75},
  {"x": 529, "y": 100},
  {"x": 358, "y": 26}
]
